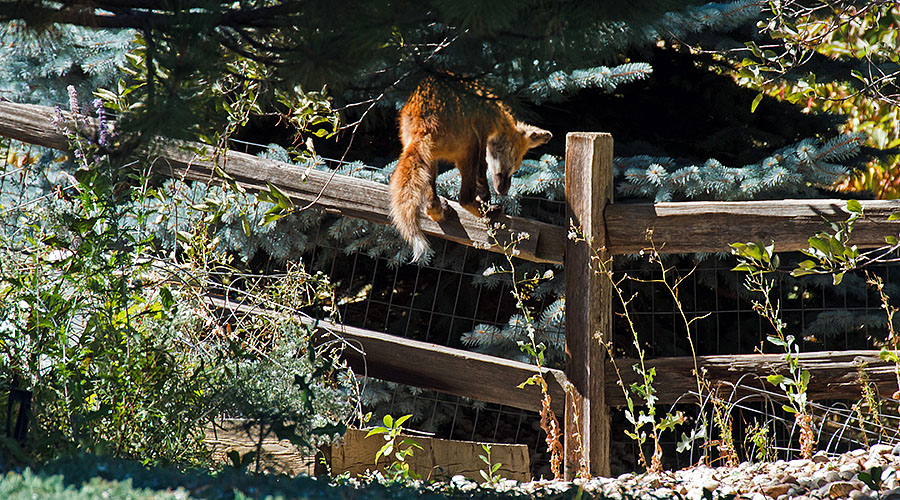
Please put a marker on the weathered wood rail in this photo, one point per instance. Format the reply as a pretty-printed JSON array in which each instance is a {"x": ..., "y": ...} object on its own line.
[
  {"x": 431, "y": 366},
  {"x": 587, "y": 386},
  {"x": 678, "y": 227}
]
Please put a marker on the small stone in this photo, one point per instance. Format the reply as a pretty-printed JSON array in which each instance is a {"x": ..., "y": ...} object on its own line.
[
  {"x": 857, "y": 452},
  {"x": 798, "y": 463},
  {"x": 695, "y": 494},
  {"x": 821, "y": 457},
  {"x": 889, "y": 478},
  {"x": 788, "y": 478},
  {"x": 880, "y": 449},
  {"x": 893, "y": 494},
  {"x": 832, "y": 476},
  {"x": 859, "y": 495},
  {"x": 662, "y": 493},
  {"x": 776, "y": 490},
  {"x": 710, "y": 485},
  {"x": 807, "y": 482},
  {"x": 871, "y": 462},
  {"x": 757, "y": 496},
  {"x": 840, "y": 489},
  {"x": 625, "y": 477},
  {"x": 896, "y": 449},
  {"x": 848, "y": 471}
]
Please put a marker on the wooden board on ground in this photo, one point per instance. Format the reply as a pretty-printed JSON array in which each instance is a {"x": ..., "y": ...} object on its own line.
[
  {"x": 439, "y": 458},
  {"x": 278, "y": 456}
]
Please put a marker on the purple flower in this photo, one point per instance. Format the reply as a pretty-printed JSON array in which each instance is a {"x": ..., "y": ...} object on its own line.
[
  {"x": 102, "y": 124},
  {"x": 57, "y": 119},
  {"x": 73, "y": 99}
]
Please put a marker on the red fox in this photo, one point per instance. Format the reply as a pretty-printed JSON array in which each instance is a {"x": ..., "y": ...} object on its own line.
[{"x": 458, "y": 122}]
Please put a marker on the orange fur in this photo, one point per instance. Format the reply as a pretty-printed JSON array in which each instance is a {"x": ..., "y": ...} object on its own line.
[{"x": 460, "y": 123}]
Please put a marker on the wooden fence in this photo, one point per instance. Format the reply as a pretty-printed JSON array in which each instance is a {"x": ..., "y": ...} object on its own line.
[{"x": 583, "y": 392}]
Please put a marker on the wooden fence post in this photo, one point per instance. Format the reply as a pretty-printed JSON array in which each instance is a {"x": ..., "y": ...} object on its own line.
[{"x": 589, "y": 187}]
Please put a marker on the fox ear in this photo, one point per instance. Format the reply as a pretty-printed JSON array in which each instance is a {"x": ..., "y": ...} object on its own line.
[{"x": 535, "y": 136}]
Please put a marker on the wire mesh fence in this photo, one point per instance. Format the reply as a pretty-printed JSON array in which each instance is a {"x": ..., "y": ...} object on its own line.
[{"x": 441, "y": 301}]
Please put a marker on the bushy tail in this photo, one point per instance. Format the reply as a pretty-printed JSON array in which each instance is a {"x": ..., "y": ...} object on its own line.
[{"x": 408, "y": 183}]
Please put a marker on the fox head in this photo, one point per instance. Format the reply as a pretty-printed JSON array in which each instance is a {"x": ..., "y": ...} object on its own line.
[{"x": 505, "y": 150}]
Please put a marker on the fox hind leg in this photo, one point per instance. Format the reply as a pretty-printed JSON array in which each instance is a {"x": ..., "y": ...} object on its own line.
[
  {"x": 474, "y": 193},
  {"x": 435, "y": 206}
]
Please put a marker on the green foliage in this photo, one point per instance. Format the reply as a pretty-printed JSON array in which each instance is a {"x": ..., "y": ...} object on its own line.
[
  {"x": 759, "y": 261},
  {"x": 393, "y": 447},
  {"x": 91, "y": 477},
  {"x": 368, "y": 51},
  {"x": 79, "y": 315},
  {"x": 841, "y": 59},
  {"x": 38, "y": 64},
  {"x": 876, "y": 477},
  {"x": 758, "y": 436},
  {"x": 833, "y": 253},
  {"x": 645, "y": 423},
  {"x": 117, "y": 345},
  {"x": 491, "y": 476},
  {"x": 796, "y": 169}
]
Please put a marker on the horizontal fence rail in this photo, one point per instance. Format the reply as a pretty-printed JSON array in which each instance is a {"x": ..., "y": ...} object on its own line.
[
  {"x": 833, "y": 375},
  {"x": 349, "y": 196},
  {"x": 431, "y": 366},
  {"x": 586, "y": 390},
  {"x": 678, "y": 227}
]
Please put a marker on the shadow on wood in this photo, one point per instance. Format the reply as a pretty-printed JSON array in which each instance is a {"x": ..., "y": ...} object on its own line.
[{"x": 440, "y": 459}]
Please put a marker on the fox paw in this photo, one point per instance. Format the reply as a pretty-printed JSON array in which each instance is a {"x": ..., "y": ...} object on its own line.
[{"x": 436, "y": 212}]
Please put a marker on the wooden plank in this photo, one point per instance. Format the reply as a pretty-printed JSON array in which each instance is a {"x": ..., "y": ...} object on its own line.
[
  {"x": 589, "y": 187},
  {"x": 278, "y": 456},
  {"x": 833, "y": 375},
  {"x": 709, "y": 226},
  {"x": 431, "y": 366},
  {"x": 440, "y": 459},
  {"x": 678, "y": 227},
  {"x": 348, "y": 196}
]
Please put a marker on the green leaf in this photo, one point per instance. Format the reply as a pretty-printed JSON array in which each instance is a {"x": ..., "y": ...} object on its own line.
[
  {"x": 776, "y": 341},
  {"x": 820, "y": 244},
  {"x": 776, "y": 379},
  {"x": 412, "y": 443},
  {"x": 854, "y": 206},
  {"x": 758, "y": 99},
  {"x": 165, "y": 298},
  {"x": 377, "y": 430},
  {"x": 894, "y": 216},
  {"x": 838, "y": 277}
]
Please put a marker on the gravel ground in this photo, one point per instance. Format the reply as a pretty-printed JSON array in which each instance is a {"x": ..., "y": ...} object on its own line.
[{"x": 822, "y": 477}]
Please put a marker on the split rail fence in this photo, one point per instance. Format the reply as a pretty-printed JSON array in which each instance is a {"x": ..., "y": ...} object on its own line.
[{"x": 583, "y": 392}]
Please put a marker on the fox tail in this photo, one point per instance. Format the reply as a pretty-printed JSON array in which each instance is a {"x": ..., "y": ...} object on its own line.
[{"x": 408, "y": 183}]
